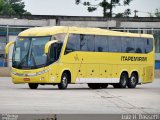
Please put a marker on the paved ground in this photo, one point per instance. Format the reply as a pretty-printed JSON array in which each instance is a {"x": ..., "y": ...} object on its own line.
[{"x": 78, "y": 99}]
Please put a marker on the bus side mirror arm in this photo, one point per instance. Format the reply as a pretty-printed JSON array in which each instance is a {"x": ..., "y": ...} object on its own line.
[
  {"x": 8, "y": 46},
  {"x": 47, "y": 46}
]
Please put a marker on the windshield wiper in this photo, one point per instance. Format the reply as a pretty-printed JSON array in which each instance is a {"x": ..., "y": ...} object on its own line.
[{"x": 34, "y": 62}]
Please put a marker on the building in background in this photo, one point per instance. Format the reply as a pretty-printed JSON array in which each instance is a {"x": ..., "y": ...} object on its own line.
[{"x": 10, "y": 27}]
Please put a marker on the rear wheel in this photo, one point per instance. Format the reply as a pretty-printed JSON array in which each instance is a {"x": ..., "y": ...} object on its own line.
[
  {"x": 94, "y": 85},
  {"x": 123, "y": 81},
  {"x": 133, "y": 81},
  {"x": 33, "y": 85},
  {"x": 116, "y": 85},
  {"x": 64, "y": 81},
  {"x": 103, "y": 85}
]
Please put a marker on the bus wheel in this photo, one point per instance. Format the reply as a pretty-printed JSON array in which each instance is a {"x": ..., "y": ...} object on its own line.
[
  {"x": 104, "y": 85},
  {"x": 116, "y": 85},
  {"x": 94, "y": 85},
  {"x": 133, "y": 81},
  {"x": 33, "y": 85},
  {"x": 64, "y": 82},
  {"x": 123, "y": 81}
]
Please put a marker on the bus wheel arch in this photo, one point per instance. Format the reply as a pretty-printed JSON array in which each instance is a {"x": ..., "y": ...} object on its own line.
[
  {"x": 69, "y": 75},
  {"x": 65, "y": 79},
  {"x": 133, "y": 80},
  {"x": 125, "y": 72}
]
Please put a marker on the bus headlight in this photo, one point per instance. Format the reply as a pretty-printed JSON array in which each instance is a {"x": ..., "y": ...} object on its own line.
[
  {"x": 31, "y": 74},
  {"x": 43, "y": 71}
]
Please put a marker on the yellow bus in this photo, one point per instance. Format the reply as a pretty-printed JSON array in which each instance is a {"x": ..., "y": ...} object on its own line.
[{"x": 62, "y": 55}]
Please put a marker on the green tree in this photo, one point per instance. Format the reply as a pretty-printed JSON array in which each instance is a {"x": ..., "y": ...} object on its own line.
[
  {"x": 12, "y": 7},
  {"x": 126, "y": 13},
  {"x": 157, "y": 13},
  {"x": 107, "y": 5},
  {"x": 5, "y": 9}
]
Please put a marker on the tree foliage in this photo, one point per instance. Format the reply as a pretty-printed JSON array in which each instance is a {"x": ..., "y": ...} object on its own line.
[
  {"x": 107, "y": 6},
  {"x": 157, "y": 13},
  {"x": 126, "y": 13},
  {"x": 12, "y": 7}
]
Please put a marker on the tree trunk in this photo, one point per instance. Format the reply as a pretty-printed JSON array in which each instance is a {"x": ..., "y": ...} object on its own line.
[
  {"x": 111, "y": 3},
  {"x": 104, "y": 9}
]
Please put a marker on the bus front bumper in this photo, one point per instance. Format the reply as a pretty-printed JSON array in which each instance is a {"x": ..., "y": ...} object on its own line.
[{"x": 35, "y": 76}]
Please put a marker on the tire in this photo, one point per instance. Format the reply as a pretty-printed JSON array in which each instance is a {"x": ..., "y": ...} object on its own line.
[
  {"x": 64, "y": 81},
  {"x": 133, "y": 81},
  {"x": 116, "y": 85},
  {"x": 94, "y": 85},
  {"x": 33, "y": 85},
  {"x": 123, "y": 81},
  {"x": 104, "y": 85}
]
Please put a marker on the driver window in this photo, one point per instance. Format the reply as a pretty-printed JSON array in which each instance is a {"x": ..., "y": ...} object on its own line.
[
  {"x": 60, "y": 37},
  {"x": 54, "y": 53}
]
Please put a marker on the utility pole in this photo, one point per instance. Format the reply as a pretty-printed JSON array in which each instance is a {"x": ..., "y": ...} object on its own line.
[{"x": 135, "y": 13}]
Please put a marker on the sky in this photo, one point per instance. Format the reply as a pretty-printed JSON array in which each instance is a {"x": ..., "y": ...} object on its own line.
[{"x": 69, "y": 8}]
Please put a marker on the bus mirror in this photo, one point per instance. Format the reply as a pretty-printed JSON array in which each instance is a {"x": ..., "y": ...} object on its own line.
[
  {"x": 48, "y": 44},
  {"x": 7, "y": 46}
]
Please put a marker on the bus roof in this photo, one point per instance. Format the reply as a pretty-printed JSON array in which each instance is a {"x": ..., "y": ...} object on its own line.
[{"x": 48, "y": 31}]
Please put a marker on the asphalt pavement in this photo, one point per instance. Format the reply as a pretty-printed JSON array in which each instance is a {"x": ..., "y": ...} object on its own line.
[{"x": 78, "y": 99}]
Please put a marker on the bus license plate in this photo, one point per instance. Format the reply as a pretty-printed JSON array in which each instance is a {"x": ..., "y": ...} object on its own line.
[{"x": 26, "y": 79}]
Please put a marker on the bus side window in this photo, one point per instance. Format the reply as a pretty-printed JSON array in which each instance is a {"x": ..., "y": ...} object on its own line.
[
  {"x": 87, "y": 42},
  {"x": 114, "y": 44},
  {"x": 128, "y": 45},
  {"x": 60, "y": 37},
  {"x": 148, "y": 45},
  {"x": 101, "y": 44},
  {"x": 73, "y": 43},
  {"x": 139, "y": 45},
  {"x": 54, "y": 53}
]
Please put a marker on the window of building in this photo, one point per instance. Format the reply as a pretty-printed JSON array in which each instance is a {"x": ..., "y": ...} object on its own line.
[
  {"x": 157, "y": 40},
  {"x": 3, "y": 41}
]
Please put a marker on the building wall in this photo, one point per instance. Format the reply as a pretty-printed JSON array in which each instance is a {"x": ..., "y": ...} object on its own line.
[{"x": 27, "y": 22}]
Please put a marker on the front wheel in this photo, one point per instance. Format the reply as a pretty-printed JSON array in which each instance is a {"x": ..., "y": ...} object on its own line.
[
  {"x": 33, "y": 85},
  {"x": 64, "y": 81}
]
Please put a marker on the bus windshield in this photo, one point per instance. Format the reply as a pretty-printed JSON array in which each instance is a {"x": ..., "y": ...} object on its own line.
[{"x": 29, "y": 52}]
